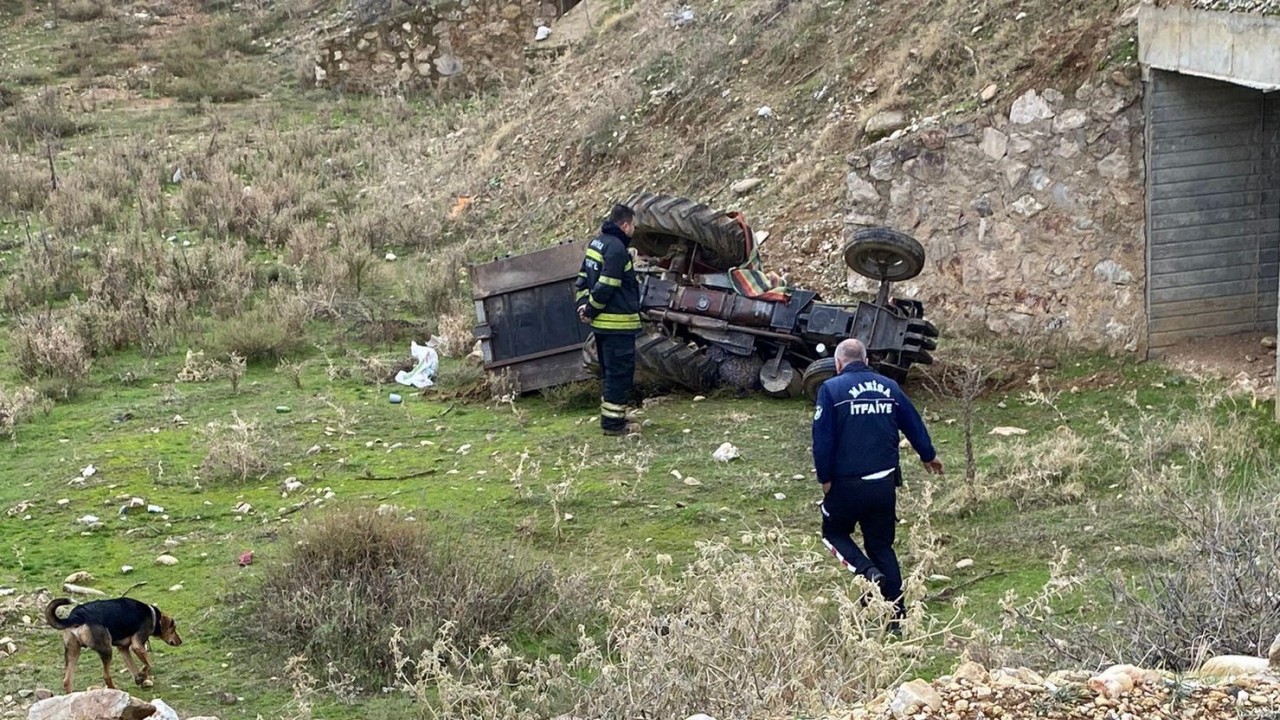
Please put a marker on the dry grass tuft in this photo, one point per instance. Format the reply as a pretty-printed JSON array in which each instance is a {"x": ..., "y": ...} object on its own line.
[
  {"x": 770, "y": 630},
  {"x": 45, "y": 348},
  {"x": 357, "y": 578},
  {"x": 237, "y": 451},
  {"x": 17, "y": 406}
]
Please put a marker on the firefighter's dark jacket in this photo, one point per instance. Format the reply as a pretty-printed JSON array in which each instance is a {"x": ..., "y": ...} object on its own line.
[
  {"x": 607, "y": 286},
  {"x": 856, "y": 425}
]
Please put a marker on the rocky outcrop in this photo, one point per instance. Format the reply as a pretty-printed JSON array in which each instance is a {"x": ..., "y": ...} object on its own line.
[
  {"x": 92, "y": 705},
  {"x": 1119, "y": 692},
  {"x": 1031, "y": 216},
  {"x": 1259, "y": 7},
  {"x": 449, "y": 46},
  {"x": 102, "y": 705}
]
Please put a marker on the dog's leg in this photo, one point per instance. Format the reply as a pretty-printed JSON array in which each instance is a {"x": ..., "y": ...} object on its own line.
[
  {"x": 141, "y": 649},
  {"x": 141, "y": 679},
  {"x": 106, "y": 668},
  {"x": 70, "y": 656},
  {"x": 100, "y": 641}
]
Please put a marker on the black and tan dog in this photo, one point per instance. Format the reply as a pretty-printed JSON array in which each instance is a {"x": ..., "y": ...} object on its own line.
[{"x": 103, "y": 624}]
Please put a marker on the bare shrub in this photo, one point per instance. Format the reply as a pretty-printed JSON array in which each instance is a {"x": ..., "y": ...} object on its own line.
[
  {"x": 43, "y": 347},
  {"x": 40, "y": 118},
  {"x": 17, "y": 406},
  {"x": 293, "y": 371},
  {"x": 197, "y": 368},
  {"x": 272, "y": 331},
  {"x": 456, "y": 338},
  {"x": 1050, "y": 470},
  {"x": 80, "y": 10},
  {"x": 92, "y": 196},
  {"x": 237, "y": 451},
  {"x": 23, "y": 188},
  {"x": 1205, "y": 485},
  {"x": 437, "y": 291},
  {"x": 774, "y": 630},
  {"x": 341, "y": 591}
]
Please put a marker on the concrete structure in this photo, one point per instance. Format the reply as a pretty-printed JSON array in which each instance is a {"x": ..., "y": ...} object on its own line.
[{"x": 1212, "y": 114}]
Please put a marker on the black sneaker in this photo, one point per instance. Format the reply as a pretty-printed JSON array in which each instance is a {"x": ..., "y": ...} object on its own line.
[{"x": 875, "y": 576}]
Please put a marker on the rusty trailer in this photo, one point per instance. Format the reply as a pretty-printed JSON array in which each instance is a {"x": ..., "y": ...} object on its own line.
[{"x": 526, "y": 320}]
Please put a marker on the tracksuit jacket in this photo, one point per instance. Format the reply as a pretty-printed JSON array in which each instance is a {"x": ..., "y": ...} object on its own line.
[
  {"x": 856, "y": 425},
  {"x": 607, "y": 285}
]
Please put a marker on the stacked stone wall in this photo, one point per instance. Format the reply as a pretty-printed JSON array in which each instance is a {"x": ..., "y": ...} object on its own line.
[{"x": 1032, "y": 218}]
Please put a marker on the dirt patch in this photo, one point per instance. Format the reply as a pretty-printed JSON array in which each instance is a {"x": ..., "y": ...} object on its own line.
[{"x": 1242, "y": 360}]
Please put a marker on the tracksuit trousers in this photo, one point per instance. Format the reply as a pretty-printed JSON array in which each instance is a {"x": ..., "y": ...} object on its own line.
[{"x": 871, "y": 504}]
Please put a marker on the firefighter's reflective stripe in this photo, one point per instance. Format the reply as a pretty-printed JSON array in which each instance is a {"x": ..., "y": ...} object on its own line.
[
  {"x": 616, "y": 321},
  {"x": 593, "y": 255},
  {"x": 581, "y": 294},
  {"x": 594, "y": 304},
  {"x": 616, "y": 282},
  {"x": 612, "y": 410}
]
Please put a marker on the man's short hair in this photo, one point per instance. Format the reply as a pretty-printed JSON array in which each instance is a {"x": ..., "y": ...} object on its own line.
[
  {"x": 621, "y": 214},
  {"x": 851, "y": 350}
]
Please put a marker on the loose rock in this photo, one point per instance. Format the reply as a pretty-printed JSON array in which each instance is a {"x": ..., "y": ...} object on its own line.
[
  {"x": 96, "y": 704},
  {"x": 1028, "y": 108},
  {"x": 884, "y": 123}
]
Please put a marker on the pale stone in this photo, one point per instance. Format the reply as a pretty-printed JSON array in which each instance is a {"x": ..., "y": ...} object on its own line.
[
  {"x": 1112, "y": 272},
  {"x": 448, "y": 65},
  {"x": 96, "y": 704},
  {"x": 1014, "y": 172},
  {"x": 1067, "y": 148},
  {"x": 861, "y": 192},
  {"x": 994, "y": 143},
  {"x": 166, "y": 560},
  {"x": 914, "y": 696},
  {"x": 883, "y": 165},
  {"x": 163, "y": 711},
  {"x": 886, "y": 122},
  {"x": 1069, "y": 120},
  {"x": 989, "y": 93},
  {"x": 1019, "y": 144},
  {"x": 1028, "y": 108},
  {"x": 1114, "y": 166},
  {"x": 744, "y": 186},
  {"x": 972, "y": 672},
  {"x": 1040, "y": 179},
  {"x": 1027, "y": 206}
]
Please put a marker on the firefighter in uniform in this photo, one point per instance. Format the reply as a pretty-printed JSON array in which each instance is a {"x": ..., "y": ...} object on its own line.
[
  {"x": 855, "y": 453},
  {"x": 608, "y": 298}
]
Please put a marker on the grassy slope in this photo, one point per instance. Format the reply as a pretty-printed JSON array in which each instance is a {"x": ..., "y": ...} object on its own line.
[
  {"x": 616, "y": 508},
  {"x": 413, "y": 159}
]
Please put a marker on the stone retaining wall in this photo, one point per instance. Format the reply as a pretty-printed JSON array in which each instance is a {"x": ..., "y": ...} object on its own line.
[
  {"x": 453, "y": 46},
  {"x": 1032, "y": 216}
]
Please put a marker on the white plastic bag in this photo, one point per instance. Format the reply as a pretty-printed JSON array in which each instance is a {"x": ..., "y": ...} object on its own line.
[{"x": 423, "y": 374}]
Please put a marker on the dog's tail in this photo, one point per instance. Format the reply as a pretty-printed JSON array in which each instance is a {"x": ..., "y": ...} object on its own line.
[{"x": 51, "y": 614}]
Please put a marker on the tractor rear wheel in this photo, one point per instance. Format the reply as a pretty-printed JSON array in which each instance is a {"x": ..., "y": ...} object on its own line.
[
  {"x": 664, "y": 220},
  {"x": 671, "y": 361}
]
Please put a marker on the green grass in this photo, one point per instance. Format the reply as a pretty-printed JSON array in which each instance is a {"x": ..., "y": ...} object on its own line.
[{"x": 623, "y": 496}]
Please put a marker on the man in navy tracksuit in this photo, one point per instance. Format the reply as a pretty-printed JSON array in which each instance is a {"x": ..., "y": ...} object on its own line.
[
  {"x": 855, "y": 452},
  {"x": 608, "y": 298}
]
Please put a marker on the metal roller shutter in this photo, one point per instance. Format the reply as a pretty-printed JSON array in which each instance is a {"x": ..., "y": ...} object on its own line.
[{"x": 1213, "y": 208}]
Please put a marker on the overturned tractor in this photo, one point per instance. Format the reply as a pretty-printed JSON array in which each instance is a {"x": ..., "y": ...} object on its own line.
[{"x": 713, "y": 317}]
